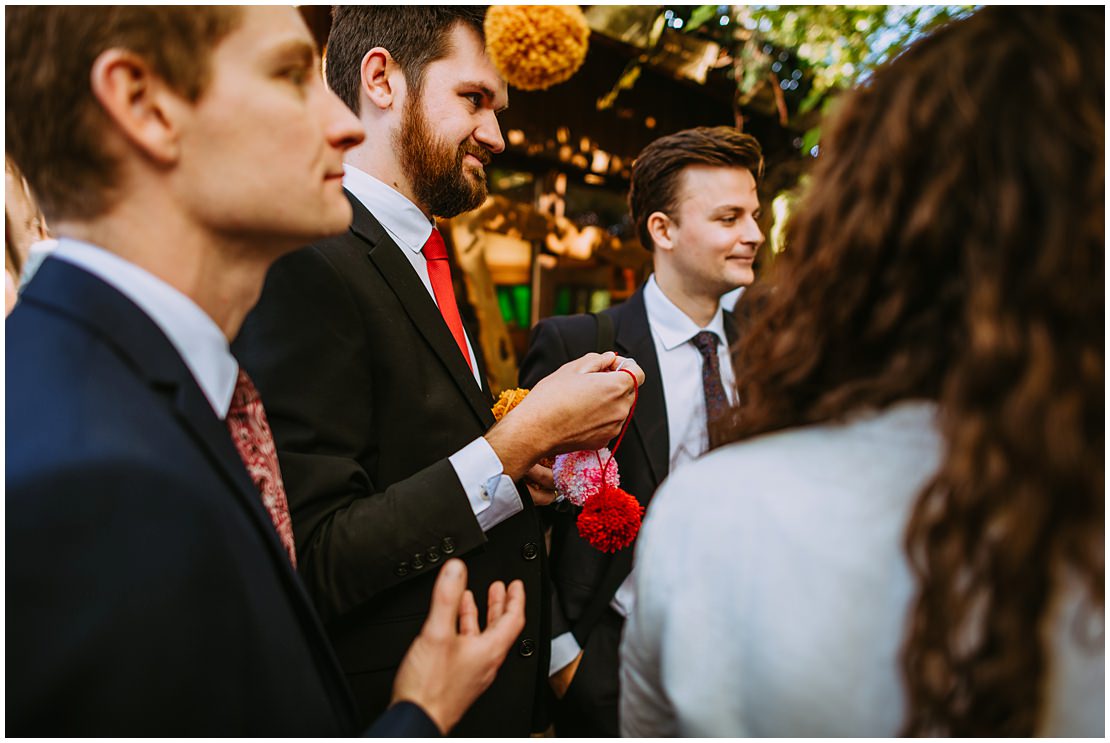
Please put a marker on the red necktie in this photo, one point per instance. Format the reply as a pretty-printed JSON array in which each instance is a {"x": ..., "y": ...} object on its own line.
[
  {"x": 252, "y": 436},
  {"x": 439, "y": 271}
]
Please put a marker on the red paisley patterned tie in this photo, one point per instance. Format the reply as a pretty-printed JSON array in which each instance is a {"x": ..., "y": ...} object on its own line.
[{"x": 251, "y": 433}]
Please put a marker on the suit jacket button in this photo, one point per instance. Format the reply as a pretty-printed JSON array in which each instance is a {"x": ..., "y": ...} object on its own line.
[
  {"x": 433, "y": 555},
  {"x": 417, "y": 562},
  {"x": 527, "y": 648},
  {"x": 448, "y": 545},
  {"x": 529, "y": 551},
  {"x": 401, "y": 570}
]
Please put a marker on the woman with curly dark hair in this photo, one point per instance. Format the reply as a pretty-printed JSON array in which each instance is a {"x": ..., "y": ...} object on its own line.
[{"x": 910, "y": 537}]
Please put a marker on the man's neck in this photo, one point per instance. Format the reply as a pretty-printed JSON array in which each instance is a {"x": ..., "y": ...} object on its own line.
[
  {"x": 381, "y": 162},
  {"x": 222, "y": 278},
  {"x": 699, "y": 307}
]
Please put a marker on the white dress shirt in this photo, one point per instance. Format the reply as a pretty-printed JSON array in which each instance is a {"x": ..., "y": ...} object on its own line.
[
  {"x": 773, "y": 592},
  {"x": 198, "y": 340},
  {"x": 680, "y": 365},
  {"x": 493, "y": 496}
]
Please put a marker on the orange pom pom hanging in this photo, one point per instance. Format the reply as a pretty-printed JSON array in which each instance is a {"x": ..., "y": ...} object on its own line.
[{"x": 537, "y": 46}]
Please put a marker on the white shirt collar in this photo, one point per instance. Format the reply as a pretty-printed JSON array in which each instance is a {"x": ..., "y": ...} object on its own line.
[
  {"x": 198, "y": 340},
  {"x": 673, "y": 326},
  {"x": 401, "y": 218}
]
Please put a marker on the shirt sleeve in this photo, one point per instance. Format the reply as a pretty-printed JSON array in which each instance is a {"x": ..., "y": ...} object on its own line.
[
  {"x": 564, "y": 649},
  {"x": 492, "y": 494}
]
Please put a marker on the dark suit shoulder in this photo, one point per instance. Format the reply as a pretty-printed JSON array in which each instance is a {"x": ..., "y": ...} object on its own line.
[
  {"x": 555, "y": 341},
  {"x": 562, "y": 338},
  {"x": 571, "y": 325},
  {"x": 326, "y": 263},
  {"x": 309, "y": 311},
  {"x": 72, "y": 396}
]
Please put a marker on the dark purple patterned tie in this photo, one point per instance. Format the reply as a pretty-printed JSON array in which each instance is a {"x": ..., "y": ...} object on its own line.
[{"x": 716, "y": 403}]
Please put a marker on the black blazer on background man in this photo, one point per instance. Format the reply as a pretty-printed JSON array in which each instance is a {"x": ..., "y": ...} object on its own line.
[
  {"x": 368, "y": 396},
  {"x": 586, "y": 579},
  {"x": 148, "y": 593}
]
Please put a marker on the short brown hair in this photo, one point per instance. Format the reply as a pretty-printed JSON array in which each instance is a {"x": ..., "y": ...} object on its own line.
[
  {"x": 414, "y": 35},
  {"x": 657, "y": 170},
  {"x": 54, "y": 121}
]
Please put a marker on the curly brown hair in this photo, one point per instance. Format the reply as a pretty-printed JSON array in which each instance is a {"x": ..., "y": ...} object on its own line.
[{"x": 950, "y": 247}]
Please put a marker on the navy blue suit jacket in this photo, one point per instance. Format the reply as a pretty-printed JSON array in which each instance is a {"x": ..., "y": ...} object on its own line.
[{"x": 147, "y": 590}]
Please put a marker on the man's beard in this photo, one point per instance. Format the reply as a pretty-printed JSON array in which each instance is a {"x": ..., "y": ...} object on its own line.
[{"x": 434, "y": 171}]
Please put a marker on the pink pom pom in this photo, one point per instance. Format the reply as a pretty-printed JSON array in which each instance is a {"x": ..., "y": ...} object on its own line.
[{"x": 578, "y": 474}]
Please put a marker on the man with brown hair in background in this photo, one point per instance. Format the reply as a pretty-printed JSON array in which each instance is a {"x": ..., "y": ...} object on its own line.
[
  {"x": 151, "y": 587},
  {"x": 695, "y": 205},
  {"x": 375, "y": 389}
]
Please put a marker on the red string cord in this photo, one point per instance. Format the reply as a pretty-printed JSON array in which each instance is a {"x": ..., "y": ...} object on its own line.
[{"x": 624, "y": 426}]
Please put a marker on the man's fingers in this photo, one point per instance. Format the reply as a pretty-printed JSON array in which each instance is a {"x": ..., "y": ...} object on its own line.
[
  {"x": 593, "y": 362},
  {"x": 633, "y": 367},
  {"x": 446, "y": 597},
  {"x": 541, "y": 476},
  {"x": 502, "y": 633},
  {"x": 468, "y": 615},
  {"x": 495, "y": 603},
  {"x": 541, "y": 485},
  {"x": 511, "y": 621},
  {"x": 541, "y": 496}
]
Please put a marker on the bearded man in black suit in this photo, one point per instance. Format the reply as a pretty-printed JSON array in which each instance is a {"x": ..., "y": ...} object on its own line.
[{"x": 375, "y": 387}]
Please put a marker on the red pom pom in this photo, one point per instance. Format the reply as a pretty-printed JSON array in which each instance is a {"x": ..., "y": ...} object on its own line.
[{"x": 610, "y": 520}]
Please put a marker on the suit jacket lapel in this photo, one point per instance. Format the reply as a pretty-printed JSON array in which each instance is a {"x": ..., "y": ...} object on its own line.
[
  {"x": 196, "y": 414},
  {"x": 120, "y": 323},
  {"x": 732, "y": 331},
  {"x": 473, "y": 331},
  {"x": 633, "y": 339},
  {"x": 421, "y": 308}
]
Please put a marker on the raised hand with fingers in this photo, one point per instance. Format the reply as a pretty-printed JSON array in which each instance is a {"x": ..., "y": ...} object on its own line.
[{"x": 452, "y": 661}]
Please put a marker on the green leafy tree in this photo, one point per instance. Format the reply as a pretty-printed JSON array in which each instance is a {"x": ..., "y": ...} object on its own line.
[
  {"x": 793, "y": 60},
  {"x": 838, "y": 46}
]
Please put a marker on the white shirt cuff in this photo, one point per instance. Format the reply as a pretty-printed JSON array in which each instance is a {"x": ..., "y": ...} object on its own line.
[
  {"x": 625, "y": 597},
  {"x": 493, "y": 496},
  {"x": 564, "y": 649}
]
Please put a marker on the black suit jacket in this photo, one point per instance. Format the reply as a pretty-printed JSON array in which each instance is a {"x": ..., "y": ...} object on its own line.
[
  {"x": 368, "y": 396},
  {"x": 147, "y": 591},
  {"x": 586, "y": 579}
]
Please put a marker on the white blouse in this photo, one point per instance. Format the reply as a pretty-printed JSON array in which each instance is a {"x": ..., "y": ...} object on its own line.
[{"x": 773, "y": 590}]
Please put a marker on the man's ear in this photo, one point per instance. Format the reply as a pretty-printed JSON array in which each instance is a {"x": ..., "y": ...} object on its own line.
[
  {"x": 661, "y": 227},
  {"x": 138, "y": 101},
  {"x": 381, "y": 81}
]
